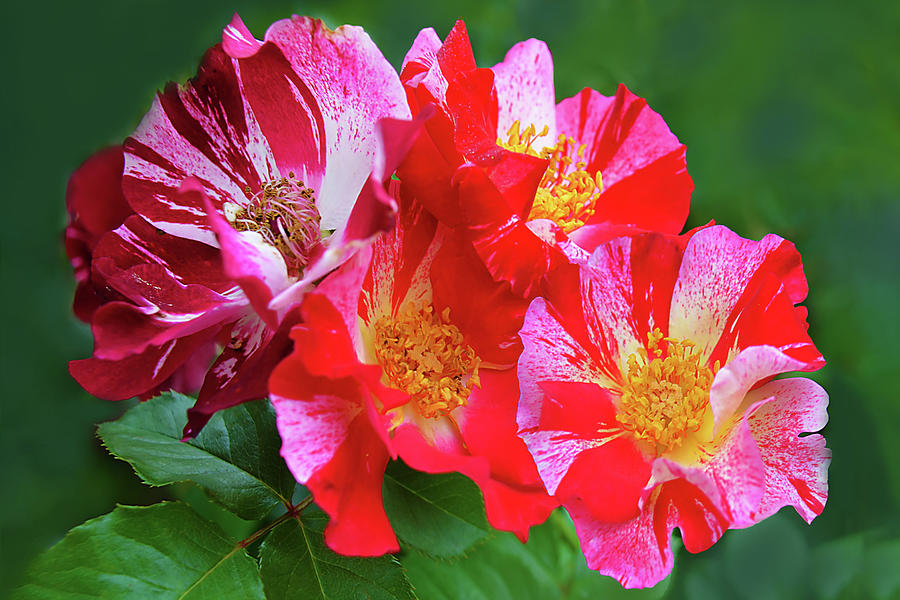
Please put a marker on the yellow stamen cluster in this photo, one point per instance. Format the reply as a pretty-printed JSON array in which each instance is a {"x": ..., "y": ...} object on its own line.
[
  {"x": 424, "y": 355},
  {"x": 284, "y": 213},
  {"x": 567, "y": 193},
  {"x": 665, "y": 395}
]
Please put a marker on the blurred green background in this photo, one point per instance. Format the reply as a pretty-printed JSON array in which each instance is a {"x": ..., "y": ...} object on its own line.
[{"x": 791, "y": 116}]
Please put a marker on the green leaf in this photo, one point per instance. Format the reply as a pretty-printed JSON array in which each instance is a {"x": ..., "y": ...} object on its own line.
[
  {"x": 500, "y": 569},
  {"x": 550, "y": 566},
  {"x": 295, "y": 563},
  {"x": 235, "y": 458},
  {"x": 165, "y": 551},
  {"x": 440, "y": 515}
]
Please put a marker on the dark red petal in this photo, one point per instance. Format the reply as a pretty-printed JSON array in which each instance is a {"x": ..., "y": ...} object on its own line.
[
  {"x": 239, "y": 375},
  {"x": 94, "y": 195},
  {"x": 138, "y": 373}
]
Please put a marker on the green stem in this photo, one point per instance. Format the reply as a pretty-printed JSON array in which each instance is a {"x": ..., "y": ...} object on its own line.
[{"x": 292, "y": 513}]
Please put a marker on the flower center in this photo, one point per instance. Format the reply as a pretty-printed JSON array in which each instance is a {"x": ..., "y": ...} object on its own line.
[
  {"x": 567, "y": 193},
  {"x": 665, "y": 396},
  {"x": 424, "y": 355},
  {"x": 284, "y": 213}
]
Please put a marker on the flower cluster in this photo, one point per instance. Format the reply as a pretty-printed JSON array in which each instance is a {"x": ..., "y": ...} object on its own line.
[{"x": 447, "y": 266}]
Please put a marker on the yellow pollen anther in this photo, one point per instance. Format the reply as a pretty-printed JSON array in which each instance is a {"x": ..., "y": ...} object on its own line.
[
  {"x": 424, "y": 355},
  {"x": 567, "y": 193},
  {"x": 666, "y": 392},
  {"x": 284, "y": 213}
]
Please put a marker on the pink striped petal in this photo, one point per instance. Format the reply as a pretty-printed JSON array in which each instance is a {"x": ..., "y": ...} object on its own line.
[
  {"x": 550, "y": 353},
  {"x": 607, "y": 291},
  {"x": 340, "y": 68},
  {"x": 288, "y": 114},
  {"x": 796, "y": 467},
  {"x": 525, "y": 92},
  {"x": 718, "y": 267},
  {"x": 205, "y": 130},
  {"x": 730, "y": 473},
  {"x": 734, "y": 380},
  {"x": 314, "y": 426},
  {"x": 426, "y": 44},
  {"x": 636, "y": 552},
  {"x": 645, "y": 180}
]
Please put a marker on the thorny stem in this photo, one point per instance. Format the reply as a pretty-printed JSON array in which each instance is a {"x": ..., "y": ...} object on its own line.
[{"x": 292, "y": 513}]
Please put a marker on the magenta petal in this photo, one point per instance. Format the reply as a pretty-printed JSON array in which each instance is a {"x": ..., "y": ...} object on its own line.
[{"x": 237, "y": 40}]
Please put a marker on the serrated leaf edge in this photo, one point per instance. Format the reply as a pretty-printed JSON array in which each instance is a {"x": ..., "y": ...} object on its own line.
[{"x": 277, "y": 495}]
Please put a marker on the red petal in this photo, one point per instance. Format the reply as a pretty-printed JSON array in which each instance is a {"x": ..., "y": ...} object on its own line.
[
  {"x": 507, "y": 246},
  {"x": 608, "y": 479},
  {"x": 348, "y": 488},
  {"x": 645, "y": 180},
  {"x": 487, "y": 312}
]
